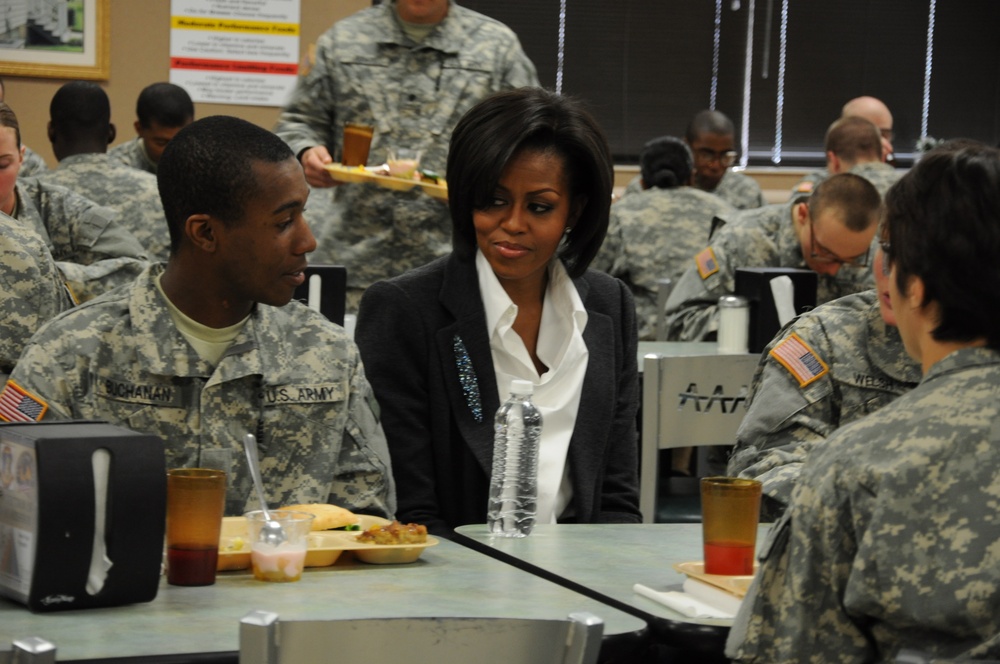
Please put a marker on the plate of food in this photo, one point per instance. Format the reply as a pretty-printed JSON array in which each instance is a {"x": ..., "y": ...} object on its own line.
[
  {"x": 433, "y": 184},
  {"x": 324, "y": 542},
  {"x": 391, "y": 543}
]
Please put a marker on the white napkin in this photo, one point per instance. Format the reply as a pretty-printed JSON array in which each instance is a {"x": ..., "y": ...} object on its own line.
[
  {"x": 713, "y": 595},
  {"x": 783, "y": 292},
  {"x": 315, "y": 292},
  {"x": 99, "y": 561},
  {"x": 683, "y": 603}
]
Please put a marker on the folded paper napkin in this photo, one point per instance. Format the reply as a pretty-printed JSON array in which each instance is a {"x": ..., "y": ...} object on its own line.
[{"x": 683, "y": 603}]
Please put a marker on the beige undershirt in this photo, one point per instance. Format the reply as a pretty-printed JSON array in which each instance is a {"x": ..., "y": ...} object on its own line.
[
  {"x": 416, "y": 31},
  {"x": 210, "y": 343}
]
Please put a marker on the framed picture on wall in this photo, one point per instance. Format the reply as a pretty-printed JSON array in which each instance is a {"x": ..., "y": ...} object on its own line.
[{"x": 55, "y": 38}]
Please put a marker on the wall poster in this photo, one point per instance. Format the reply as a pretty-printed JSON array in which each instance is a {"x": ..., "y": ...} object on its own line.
[{"x": 235, "y": 51}]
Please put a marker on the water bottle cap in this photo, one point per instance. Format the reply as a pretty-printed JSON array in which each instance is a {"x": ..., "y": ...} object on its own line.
[{"x": 522, "y": 387}]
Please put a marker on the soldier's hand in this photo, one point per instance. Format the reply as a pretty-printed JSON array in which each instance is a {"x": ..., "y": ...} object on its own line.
[{"x": 313, "y": 162}]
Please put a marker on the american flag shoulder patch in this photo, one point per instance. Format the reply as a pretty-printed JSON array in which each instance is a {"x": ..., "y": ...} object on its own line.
[
  {"x": 800, "y": 360},
  {"x": 19, "y": 405},
  {"x": 707, "y": 265}
]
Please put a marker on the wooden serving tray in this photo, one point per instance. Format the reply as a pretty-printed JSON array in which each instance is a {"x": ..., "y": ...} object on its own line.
[
  {"x": 736, "y": 585},
  {"x": 363, "y": 174}
]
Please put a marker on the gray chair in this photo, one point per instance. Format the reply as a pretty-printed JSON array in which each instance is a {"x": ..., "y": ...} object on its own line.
[
  {"x": 29, "y": 650},
  {"x": 264, "y": 639},
  {"x": 663, "y": 288},
  {"x": 688, "y": 401}
]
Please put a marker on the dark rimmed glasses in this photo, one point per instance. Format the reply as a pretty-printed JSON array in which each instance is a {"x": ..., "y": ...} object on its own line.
[
  {"x": 821, "y": 254},
  {"x": 706, "y": 156}
]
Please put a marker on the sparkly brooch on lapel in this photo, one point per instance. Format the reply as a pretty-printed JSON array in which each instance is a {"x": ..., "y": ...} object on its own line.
[{"x": 467, "y": 377}]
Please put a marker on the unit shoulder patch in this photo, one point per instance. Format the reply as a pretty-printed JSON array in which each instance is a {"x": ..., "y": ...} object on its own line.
[
  {"x": 801, "y": 361},
  {"x": 707, "y": 265},
  {"x": 19, "y": 405}
]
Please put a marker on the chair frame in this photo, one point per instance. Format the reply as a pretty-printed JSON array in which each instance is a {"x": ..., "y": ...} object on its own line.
[
  {"x": 688, "y": 401},
  {"x": 450, "y": 639}
]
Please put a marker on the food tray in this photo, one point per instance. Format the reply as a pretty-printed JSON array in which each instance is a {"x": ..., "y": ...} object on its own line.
[
  {"x": 357, "y": 174},
  {"x": 325, "y": 546},
  {"x": 736, "y": 585}
]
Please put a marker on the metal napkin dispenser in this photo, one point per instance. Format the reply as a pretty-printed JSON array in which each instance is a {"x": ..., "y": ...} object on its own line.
[{"x": 82, "y": 514}]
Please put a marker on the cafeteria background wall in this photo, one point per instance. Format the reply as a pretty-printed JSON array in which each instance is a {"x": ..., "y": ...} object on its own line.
[{"x": 140, "y": 55}]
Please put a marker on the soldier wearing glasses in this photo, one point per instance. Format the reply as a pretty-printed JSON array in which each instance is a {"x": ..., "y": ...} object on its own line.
[
  {"x": 830, "y": 233},
  {"x": 861, "y": 365},
  {"x": 889, "y": 543},
  {"x": 712, "y": 139}
]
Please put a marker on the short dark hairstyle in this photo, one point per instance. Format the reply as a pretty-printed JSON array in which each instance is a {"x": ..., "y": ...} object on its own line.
[
  {"x": 208, "y": 169},
  {"x": 856, "y": 199},
  {"x": 166, "y": 104},
  {"x": 944, "y": 227},
  {"x": 9, "y": 119},
  {"x": 854, "y": 138},
  {"x": 80, "y": 108},
  {"x": 709, "y": 122},
  {"x": 493, "y": 131},
  {"x": 666, "y": 162}
]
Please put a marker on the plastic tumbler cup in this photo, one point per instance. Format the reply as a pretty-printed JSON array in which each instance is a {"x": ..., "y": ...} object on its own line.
[
  {"x": 285, "y": 561},
  {"x": 403, "y": 163},
  {"x": 357, "y": 142},
  {"x": 195, "y": 502},
  {"x": 730, "y": 511}
]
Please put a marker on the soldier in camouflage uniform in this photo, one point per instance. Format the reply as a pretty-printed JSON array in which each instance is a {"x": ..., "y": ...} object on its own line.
[
  {"x": 652, "y": 234},
  {"x": 31, "y": 289},
  {"x": 712, "y": 137},
  {"x": 881, "y": 175},
  {"x": 203, "y": 350},
  {"x": 864, "y": 159},
  {"x": 161, "y": 110},
  {"x": 411, "y": 70},
  {"x": 853, "y": 145},
  {"x": 825, "y": 369},
  {"x": 32, "y": 162},
  {"x": 738, "y": 191},
  {"x": 80, "y": 129},
  {"x": 76, "y": 230},
  {"x": 831, "y": 234},
  {"x": 890, "y": 541}
]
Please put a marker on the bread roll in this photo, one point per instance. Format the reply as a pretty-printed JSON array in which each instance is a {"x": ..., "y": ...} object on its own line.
[{"x": 327, "y": 516}]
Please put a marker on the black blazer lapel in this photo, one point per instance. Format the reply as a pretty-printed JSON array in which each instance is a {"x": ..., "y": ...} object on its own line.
[
  {"x": 467, "y": 363},
  {"x": 595, "y": 415}
]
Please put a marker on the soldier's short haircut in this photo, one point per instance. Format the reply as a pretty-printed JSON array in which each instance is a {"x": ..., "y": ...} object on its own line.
[
  {"x": 944, "y": 227},
  {"x": 208, "y": 169},
  {"x": 166, "y": 104},
  {"x": 709, "y": 122},
  {"x": 666, "y": 162},
  {"x": 854, "y": 138},
  {"x": 499, "y": 127},
  {"x": 80, "y": 108},
  {"x": 9, "y": 119},
  {"x": 856, "y": 200}
]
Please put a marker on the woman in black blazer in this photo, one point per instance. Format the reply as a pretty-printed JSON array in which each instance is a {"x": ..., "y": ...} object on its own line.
[{"x": 530, "y": 177}]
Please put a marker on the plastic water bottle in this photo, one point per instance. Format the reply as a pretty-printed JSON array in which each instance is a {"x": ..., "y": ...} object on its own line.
[{"x": 514, "y": 481}]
